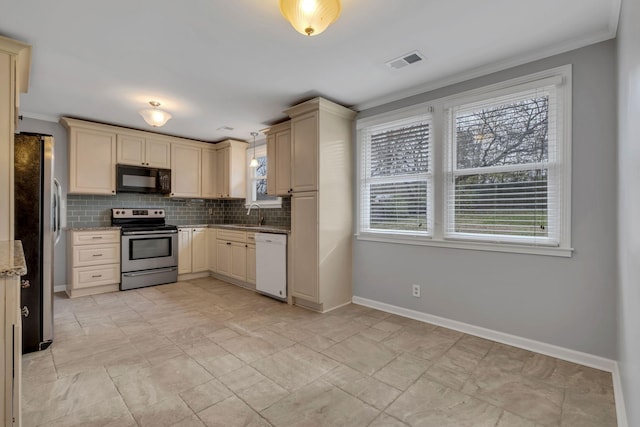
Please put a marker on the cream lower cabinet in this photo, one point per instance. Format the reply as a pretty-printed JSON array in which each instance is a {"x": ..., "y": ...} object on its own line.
[
  {"x": 93, "y": 259},
  {"x": 12, "y": 352},
  {"x": 251, "y": 258},
  {"x": 212, "y": 250},
  {"x": 231, "y": 250},
  {"x": 304, "y": 246},
  {"x": 192, "y": 250}
]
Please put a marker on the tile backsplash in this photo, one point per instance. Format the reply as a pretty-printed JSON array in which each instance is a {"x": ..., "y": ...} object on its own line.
[{"x": 95, "y": 211}]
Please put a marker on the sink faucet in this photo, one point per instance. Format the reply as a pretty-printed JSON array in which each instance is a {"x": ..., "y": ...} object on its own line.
[{"x": 260, "y": 217}]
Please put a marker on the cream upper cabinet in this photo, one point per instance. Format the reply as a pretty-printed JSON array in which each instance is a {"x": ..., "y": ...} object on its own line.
[
  {"x": 209, "y": 173},
  {"x": 199, "y": 249},
  {"x": 186, "y": 170},
  {"x": 279, "y": 160},
  {"x": 231, "y": 169},
  {"x": 92, "y": 159},
  {"x": 140, "y": 151},
  {"x": 304, "y": 152}
]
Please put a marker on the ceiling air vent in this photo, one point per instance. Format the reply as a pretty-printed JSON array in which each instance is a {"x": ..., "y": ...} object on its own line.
[{"x": 404, "y": 60}]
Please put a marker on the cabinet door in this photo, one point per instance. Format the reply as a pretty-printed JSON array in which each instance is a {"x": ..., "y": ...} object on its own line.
[
  {"x": 213, "y": 249},
  {"x": 272, "y": 154},
  {"x": 304, "y": 241},
  {"x": 199, "y": 256},
  {"x": 184, "y": 250},
  {"x": 131, "y": 150},
  {"x": 209, "y": 168},
  {"x": 158, "y": 154},
  {"x": 283, "y": 163},
  {"x": 238, "y": 261},
  {"x": 251, "y": 264},
  {"x": 222, "y": 172},
  {"x": 223, "y": 252},
  {"x": 185, "y": 170},
  {"x": 304, "y": 152},
  {"x": 236, "y": 171},
  {"x": 92, "y": 160}
]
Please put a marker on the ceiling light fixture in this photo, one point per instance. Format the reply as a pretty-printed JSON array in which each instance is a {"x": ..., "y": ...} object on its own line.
[
  {"x": 254, "y": 162},
  {"x": 154, "y": 116},
  {"x": 310, "y": 17}
]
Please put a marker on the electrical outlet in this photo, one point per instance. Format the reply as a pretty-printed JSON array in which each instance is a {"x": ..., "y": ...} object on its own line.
[
  {"x": 210, "y": 211},
  {"x": 416, "y": 290}
]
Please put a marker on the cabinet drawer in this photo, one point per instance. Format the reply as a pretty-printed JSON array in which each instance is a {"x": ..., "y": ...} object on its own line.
[
  {"x": 95, "y": 237},
  {"x": 96, "y": 255},
  {"x": 232, "y": 235},
  {"x": 251, "y": 238},
  {"x": 86, "y": 277}
]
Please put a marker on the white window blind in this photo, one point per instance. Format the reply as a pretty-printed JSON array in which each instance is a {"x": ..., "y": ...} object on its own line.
[
  {"x": 503, "y": 169},
  {"x": 396, "y": 177}
]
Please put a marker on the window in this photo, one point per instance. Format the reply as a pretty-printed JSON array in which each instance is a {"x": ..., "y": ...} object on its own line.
[
  {"x": 257, "y": 181},
  {"x": 486, "y": 169}
]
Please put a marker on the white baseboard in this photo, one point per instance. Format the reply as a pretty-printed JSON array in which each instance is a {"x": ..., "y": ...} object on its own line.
[
  {"x": 59, "y": 288},
  {"x": 621, "y": 410},
  {"x": 569, "y": 355}
]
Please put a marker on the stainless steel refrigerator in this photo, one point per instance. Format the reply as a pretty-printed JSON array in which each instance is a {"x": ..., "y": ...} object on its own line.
[{"x": 37, "y": 225}]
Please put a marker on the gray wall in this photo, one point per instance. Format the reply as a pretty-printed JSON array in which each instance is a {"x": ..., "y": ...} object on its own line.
[
  {"x": 60, "y": 172},
  {"x": 568, "y": 302},
  {"x": 629, "y": 207}
]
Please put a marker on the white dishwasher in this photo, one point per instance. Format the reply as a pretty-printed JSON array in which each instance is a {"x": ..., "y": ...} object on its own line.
[{"x": 271, "y": 264}]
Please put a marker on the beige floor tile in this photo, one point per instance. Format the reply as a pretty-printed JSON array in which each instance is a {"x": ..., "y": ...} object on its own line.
[
  {"x": 192, "y": 421},
  {"x": 263, "y": 394},
  {"x": 108, "y": 413},
  {"x": 222, "y": 335},
  {"x": 426, "y": 403},
  {"x": 590, "y": 409},
  {"x": 333, "y": 327},
  {"x": 365, "y": 355},
  {"x": 242, "y": 378},
  {"x": 402, "y": 371},
  {"x": 320, "y": 404},
  {"x": 163, "y": 413},
  {"x": 507, "y": 419},
  {"x": 385, "y": 420},
  {"x": 249, "y": 349},
  {"x": 162, "y": 354},
  {"x": 369, "y": 390},
  {"x": 295, "y": 366},
  {"x": 374, "y": 334},
  {"x": 123, "y": 355},
  {"x": 39, "y": 366},
  {"x": 205, "y": 395},
  {"x": 566, "y": 374},
  {"x": 231, "y": 412}
]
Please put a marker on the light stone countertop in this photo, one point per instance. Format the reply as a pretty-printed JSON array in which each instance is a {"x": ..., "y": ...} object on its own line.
[
  {"x": 274, "y": 229},
  {"x": 110, "y": 227},
  {"x": 12, "y": 261}
]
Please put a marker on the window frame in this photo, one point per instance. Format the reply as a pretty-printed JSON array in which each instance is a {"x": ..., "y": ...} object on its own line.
[
  {"x": 260, "y": 151},
  {"x": 441, "y": 152}
]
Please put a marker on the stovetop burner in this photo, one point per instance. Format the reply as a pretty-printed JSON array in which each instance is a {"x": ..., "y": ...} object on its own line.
[
  {"x": 134, "y": 227},
  {"x": 140, "y": 219}
]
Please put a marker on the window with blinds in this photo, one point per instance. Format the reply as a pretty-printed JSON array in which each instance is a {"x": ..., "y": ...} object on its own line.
[
  {"x": 396, "y": 177},
  {"x": 487, "y": 169},
  {"x": 502, "y": 177}
]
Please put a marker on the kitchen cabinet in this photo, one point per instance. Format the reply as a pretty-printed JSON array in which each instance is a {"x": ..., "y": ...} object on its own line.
[
  {"x": 138, "y": 150},
  {"x": 93, "y": 262},
  {"x": 231, "y": 169},
  {"x": 192, "y": 250},
  {"x": 212, "y": 249},
  {"x": 15, "y": 61},
  {"x": 92, "y": 158},
  {"x": 186, "y": 170},
  {"x": 251, "y": 259},
  {"x": 321, "y": 206},
  {"x": 232, "y": 253},
  {"x": 209, "y": 173},
  {"x": 12, "y": 352},
  {"x": 279, "y": 160}
]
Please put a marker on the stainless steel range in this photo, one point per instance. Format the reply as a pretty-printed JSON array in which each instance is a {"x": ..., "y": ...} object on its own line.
[{"x": 149, "y": 247}]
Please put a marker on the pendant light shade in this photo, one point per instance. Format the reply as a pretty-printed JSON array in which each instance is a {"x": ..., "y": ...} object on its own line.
[
  {"x": 310, "y": 17},
  {"x": 254, "y": 162},
  {"x": 154, "y": 116}
]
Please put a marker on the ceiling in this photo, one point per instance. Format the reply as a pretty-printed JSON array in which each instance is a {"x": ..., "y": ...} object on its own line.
[{"x": 217, "y": 63}]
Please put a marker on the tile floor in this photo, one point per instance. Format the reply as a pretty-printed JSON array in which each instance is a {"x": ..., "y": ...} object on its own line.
[{"x": 206, "y": 353}]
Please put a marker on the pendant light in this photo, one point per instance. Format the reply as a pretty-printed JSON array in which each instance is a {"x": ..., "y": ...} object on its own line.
[
  {"x": 254, "y": 162},
  {"x": 310, "y": 17},
  {"x": 154, "y": 116}
]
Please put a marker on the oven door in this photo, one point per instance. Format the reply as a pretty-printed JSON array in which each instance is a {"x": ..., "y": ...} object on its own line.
[{"x": 145, "y": 250}]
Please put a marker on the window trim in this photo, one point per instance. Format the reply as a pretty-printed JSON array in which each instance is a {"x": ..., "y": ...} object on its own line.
[
  {"x": 261, "y": 151},
  {"x": 560, "y": 76}
]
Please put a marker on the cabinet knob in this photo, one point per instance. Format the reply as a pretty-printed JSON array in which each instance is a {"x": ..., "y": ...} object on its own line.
[
  {"x": 113, "y": 191},
  {"x": 173, "y": 194},
  {"x": 290, "y": 190}
]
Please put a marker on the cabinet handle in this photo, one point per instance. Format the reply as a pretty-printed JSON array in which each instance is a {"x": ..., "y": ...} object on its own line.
[
  {"x": 229, "y": 243},
  {"x": 25, "y": 311},
  {"x": 24, "y": 284},
  {"x": 97, "y": 237},
  {"x": 96, "y": 275},
  {"x": 97, "y": 255}
]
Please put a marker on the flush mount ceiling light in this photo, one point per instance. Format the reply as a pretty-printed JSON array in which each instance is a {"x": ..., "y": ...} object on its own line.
[
  {"x": 154, "y": 116},
  {"x": 310, "y": 17},
  {"x": 254, "y": 162}
]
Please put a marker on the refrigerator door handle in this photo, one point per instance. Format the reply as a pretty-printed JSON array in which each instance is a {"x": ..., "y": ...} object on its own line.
[{"x": 56, "y": 210}]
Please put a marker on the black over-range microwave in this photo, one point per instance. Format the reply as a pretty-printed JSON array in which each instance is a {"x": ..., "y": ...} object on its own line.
[{"x": 139, "y": 179}]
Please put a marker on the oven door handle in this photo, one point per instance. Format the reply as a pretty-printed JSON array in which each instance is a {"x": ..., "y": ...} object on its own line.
[
  {"x": 146, "y": 273},
  {"x": 148, "y": 233}
]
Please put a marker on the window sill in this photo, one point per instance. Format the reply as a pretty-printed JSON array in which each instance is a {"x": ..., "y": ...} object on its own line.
[{"x": 477, "y": 246}]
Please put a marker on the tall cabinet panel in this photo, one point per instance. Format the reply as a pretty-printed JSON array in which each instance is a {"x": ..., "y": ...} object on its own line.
[{"x": 321, "y": 208}]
